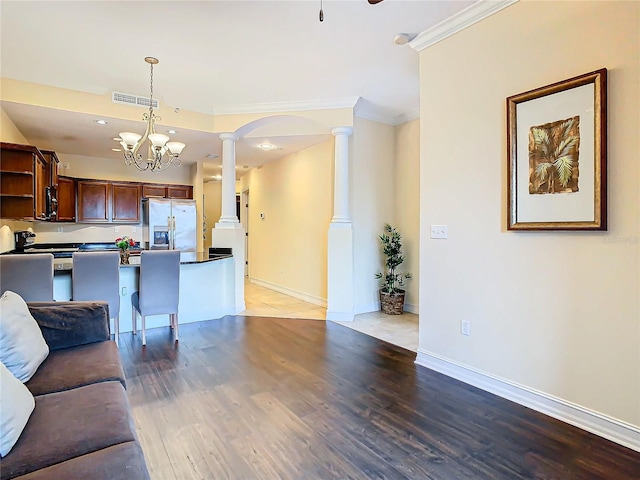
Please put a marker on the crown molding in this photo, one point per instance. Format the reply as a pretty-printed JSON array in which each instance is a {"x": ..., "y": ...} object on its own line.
[
  {"x": 362, "y": 108},
  {"x": 301, "y": 105},
  {"x": 461, "y": 20}
]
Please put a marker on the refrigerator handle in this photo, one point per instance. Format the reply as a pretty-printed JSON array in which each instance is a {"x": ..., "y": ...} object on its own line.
[{"x": 173, "y": 243}]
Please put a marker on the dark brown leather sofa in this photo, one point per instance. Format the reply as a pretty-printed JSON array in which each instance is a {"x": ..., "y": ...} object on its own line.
[{"x": 81, "y": 427}]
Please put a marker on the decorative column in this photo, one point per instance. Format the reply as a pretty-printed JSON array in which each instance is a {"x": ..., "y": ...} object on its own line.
[
  {"x": 341, "y": 175},
  {"x": 228, "y": 231},
  {"x": 340, "y": 291},
  {"x": 228, "y": 214}
]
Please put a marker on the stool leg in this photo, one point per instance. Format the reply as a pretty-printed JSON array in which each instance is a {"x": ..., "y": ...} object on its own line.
[
  {"x": 175, "y": 327},
  {"x": 134, "y": 320},
  {"x": 144, "y": 335},
  {"x": 116, "y": 328}
]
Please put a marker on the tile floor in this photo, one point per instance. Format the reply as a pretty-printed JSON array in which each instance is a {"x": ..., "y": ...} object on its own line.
[{"x": 401, "y": 330}]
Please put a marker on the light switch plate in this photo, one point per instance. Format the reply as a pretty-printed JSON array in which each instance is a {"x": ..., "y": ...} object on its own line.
[{"x": 439, "y": 231}]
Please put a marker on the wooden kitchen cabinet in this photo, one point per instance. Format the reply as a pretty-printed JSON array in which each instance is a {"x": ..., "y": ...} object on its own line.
[
  {"x": 105, "y": 202},
  {"x": 21, "y": 182},
  {"x": 93, "y": 201},
  {"x": 179, "y": 191},
  {"x": 66, "y": 199},
  {"x": 155, "y": 190},
  {"x": 125, "y": 203}
]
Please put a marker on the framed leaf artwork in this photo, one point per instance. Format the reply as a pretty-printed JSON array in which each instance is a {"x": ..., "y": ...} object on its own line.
[{"x": 557, "y": 156}]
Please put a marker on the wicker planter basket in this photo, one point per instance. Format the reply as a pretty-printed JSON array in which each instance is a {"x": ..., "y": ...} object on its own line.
[{"x": 392, "y": 303}]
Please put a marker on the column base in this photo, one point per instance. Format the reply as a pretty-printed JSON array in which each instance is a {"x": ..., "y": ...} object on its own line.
[
  {"x": 340, "y": 289},
  {"x": 230, "y": 235}
]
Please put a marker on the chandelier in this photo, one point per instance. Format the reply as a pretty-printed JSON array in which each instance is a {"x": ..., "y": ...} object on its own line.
[{"x": 161, "y": 152}]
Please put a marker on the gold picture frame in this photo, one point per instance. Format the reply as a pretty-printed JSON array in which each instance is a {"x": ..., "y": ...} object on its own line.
[{"x": 557, "y": 155}]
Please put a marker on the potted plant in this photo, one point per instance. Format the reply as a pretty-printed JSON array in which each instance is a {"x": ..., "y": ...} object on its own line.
[
  {"x": 391, "y": 293},
  {"x": 124, "y": 244}
]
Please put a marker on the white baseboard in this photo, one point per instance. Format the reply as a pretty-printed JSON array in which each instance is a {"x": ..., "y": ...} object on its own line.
[
  {"x": 412, "y": 308},
  {"x": 610, "y": 428},
  {"x": 321, "y": 302}
]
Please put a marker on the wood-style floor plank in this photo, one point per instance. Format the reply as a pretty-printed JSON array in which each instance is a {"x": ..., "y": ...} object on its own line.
[{"x": 270, "y": 398}]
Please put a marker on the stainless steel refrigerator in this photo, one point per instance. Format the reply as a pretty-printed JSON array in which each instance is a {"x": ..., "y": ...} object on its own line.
[{"x": 170, "y": 224}]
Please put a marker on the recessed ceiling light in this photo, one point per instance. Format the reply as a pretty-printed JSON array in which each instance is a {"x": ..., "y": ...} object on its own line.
[
  {"x": 212, "y": 155},
  {"x": 266, "y": 146},
  {"x": 116, "y": 149},
  {"x": 117, "y": 139},
  {"x": 172, "y": 131},
  {"x": 101, "y": 122}
]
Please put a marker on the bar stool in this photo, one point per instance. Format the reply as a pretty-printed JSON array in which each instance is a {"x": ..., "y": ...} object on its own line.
[
  {"x": 30, "y": 275},
  {"x": 159, "y": 289},
  {"x": 96, "y": 277}
]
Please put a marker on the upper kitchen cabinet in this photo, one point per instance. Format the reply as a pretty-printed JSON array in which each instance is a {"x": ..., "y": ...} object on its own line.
[
  {"x": 125, "y": 203},
  {"x": 22, "y": 182},
  {"x": 154, "y": 190},
  {"x": 179, "y": 191},
  {"x": 104, "y": 202},
  {"x": 93, "y": 201},
  {"x": 51, "y": 184},
  {"x": 66, "y": 192}
]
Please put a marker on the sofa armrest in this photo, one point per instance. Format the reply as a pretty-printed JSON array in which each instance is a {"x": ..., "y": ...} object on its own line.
[{"x": 69, "y": 324}]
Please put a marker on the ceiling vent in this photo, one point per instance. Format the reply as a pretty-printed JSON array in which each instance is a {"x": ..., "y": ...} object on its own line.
[{"x": 128, "y": 99}]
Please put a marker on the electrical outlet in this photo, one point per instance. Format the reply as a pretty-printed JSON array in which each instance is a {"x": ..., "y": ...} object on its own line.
[
  {"x": 116, "y": 229},
  {"x": 465, "y": 327},
  {"x": 134, "y": 229},
  {"x": 61, "y": 229},
  {"x": 439, "y": 231},
  {"x": 124, "y": 291}
]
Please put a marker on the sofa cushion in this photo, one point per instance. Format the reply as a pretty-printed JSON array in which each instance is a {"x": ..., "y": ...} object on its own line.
[
  {"x": 120, "y": 462},
  {"x": 68, "y": 324},
  {"x": 22, "y": 346},
  {"x": 76, "y": 367},
  {"x": 16, "y": 405},
  {"x": 69, "y": 424}
]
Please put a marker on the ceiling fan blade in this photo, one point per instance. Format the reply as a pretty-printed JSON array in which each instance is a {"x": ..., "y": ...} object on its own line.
[{"x": 373, "y": 2}]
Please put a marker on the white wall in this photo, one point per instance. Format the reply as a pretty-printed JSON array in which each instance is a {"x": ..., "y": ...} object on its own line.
[
  {"x": 288, "y": 248},
  {"x": 407, "y": 205},
  {"x": 111, "y": 169},
  {"x": 372, "y": 188},
  {"x": 556, "y": 312}
]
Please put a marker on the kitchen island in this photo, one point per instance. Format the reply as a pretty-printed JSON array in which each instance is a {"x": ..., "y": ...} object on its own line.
[{"x": 206, "y": 288}]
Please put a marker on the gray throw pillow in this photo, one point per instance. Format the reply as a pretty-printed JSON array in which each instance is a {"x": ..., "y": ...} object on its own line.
[
  {"x": 22, "y": 346},
  {"x": 16, "y": 405}
]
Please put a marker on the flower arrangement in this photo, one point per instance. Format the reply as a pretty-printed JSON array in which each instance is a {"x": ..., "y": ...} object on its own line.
[{"x": 124, "y": 243}]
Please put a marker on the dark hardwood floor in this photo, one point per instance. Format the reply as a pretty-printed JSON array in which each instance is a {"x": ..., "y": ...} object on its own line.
[{"x": 269, "y": 398}]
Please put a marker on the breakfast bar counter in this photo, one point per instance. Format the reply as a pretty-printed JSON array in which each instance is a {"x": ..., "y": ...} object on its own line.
[{"x": 206, "y": 288}]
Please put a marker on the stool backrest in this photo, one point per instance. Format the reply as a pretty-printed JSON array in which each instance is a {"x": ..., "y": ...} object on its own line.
[
  {"x": 159, "y": 282},
  {"x": 96, "y": 276},
  {"x": 30, "y": 275}
]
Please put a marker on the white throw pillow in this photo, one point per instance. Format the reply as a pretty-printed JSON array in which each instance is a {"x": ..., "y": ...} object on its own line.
[
  {"x": 16, "y": 405},
  {"x": 22, "y": 346}
]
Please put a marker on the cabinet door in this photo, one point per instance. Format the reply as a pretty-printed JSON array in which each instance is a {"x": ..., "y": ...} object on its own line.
[
  {"x": 179, "y": 191},
  {"x": 154, "y": 191},
  {"x": 93, "y": 201},
  {"x": 66, "y": 200},
  {"x": 125, "y": 203},
  {"x": 39, "y": 192}
]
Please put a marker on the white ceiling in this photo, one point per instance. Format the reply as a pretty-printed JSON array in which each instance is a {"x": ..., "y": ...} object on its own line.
[{"x": 215, "y": 57}]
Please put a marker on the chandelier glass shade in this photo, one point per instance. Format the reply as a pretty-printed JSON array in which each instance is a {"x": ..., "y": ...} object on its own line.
[{"x": 161, "y": 153}]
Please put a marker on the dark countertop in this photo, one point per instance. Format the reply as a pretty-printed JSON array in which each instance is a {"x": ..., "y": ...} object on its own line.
[
  {"x": 63, "y": 252},
  {"x": 62, "y": 265}
]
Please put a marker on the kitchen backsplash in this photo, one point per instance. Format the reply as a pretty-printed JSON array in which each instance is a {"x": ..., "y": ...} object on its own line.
[{"x": 70, "y": 233}]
